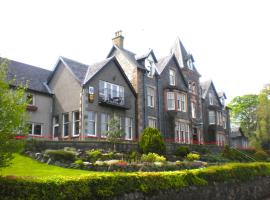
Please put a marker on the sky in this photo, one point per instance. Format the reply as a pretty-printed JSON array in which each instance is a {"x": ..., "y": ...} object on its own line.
[{"x": 229, "y": 39}]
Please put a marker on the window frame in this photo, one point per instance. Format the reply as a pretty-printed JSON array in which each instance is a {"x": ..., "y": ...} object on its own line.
[
  {"x": 172, "y": 77},
  {"x": 106, "y": 123},
  {"x": 33, "y": 124},
  {"x": 171, "y": 100},
  {"x": 214, "y": 117},
  {"x": 128, "y": 127},
  {"x": 92, "y": 121},
  {"x": 65, "y": 124},
  {"x": 74, "y": 123},
  {"x": 151, "y": 97},
  {"x": 154, "y": 120},
  {"x": 55, "y": 124},
  {"x": 211, "y": 100},
  {"x": 33, "y": 100}
]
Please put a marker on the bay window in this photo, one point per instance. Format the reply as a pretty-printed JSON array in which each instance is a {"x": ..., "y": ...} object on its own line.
[{"x": 170, "y": 101}]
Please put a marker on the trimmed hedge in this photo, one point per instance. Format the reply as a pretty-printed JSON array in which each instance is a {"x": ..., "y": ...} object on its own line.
[{"x": 107, "y": 185}]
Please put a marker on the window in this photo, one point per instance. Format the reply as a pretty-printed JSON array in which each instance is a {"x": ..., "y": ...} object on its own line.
[
  {"x": 183, "y": 98},
  {"x": 104, "y": 124},
  {"x": 111, "y": 92},
  {"x": 92, "y": 123},
  {"x": 65, "y": 125},
  {"x": 172, "y": 77},
  {"x": 178, "y": 101},
  {"x": 224, "y": 122},
  {"x": 35, "y": 129},
  {"x": 170, "y": 101},
  {"x": 76, "y": 123},
  {"x": 190, "y": 86},
  {"x": 212, "y": 117},
  {"x": 152, "y": 122},
  {"x": 150, "y": 97},
  {"x": 193, "y": 111},
  {"x": 219, "y": 118},
  {"x": 56, "y": 126},
  {"x": 211, "y": 100},
  {"x": 190, "y": 64},
  {"x": 182, "y": 134},
  {"x": 194, "y": 88},
  {"x": 128, "y": 128},
  {"x": 149, "y": 65},
  {"x": 30, "y": 99}
]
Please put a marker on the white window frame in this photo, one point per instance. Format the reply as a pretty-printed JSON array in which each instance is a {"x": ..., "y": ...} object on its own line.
[
  {"x": 55, "y": 125},
  {"x": 224, "y": 122},
  {"x": 106, "y": 123},
  {"x": 65, "y": 124},
  {"x": 33, "y": 99},
  {"x": 170, "y": 99},
  {"x": 128, "y": 128},
  {"x": 94, "y": 122},
  {"x": 152, "y": 122},
  {"x": 33, "y": 129},
  {"x": 172, "y": 79},
  {"x": 193, "y": 110},
  {"x": 183, "y": 98},
  {"x": 212, "y": 113},
  {"x": 74, "y": 121},
  {"x": 108, "y": 90},
  {"x": 150, "y": 96}
]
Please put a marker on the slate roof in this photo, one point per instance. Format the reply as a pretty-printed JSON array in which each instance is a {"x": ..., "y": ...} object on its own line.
[
  {"x": 95, "y": 68},
  {"x": 77, "y": 68},
  {"x": 236, "y": 132},
  {"x": 23, "y": 73},
  {"x": 205, "y": 86},
  {"x": 184, "y": 55},
  {"x": 145, "y": 55},
  {"x": 128, "y": 54},
  {"x": 162, "y": 63},
  {"x": 222, "y": 94}
]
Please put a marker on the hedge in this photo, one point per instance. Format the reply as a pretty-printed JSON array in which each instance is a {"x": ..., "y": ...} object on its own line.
[{"x": 106, "y": 185}]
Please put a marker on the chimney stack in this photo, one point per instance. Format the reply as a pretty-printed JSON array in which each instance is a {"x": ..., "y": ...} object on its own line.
[{"x": 118, "y": 40}]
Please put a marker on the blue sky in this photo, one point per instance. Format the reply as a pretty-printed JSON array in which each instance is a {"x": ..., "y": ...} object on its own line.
[{"x": 229, "y": 39}]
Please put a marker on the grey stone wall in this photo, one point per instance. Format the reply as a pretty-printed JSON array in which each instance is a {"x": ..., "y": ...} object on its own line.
[{"x": 257, "y": 188}]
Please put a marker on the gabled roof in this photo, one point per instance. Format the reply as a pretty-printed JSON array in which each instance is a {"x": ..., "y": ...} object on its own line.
[
  {"x": 236, "y": 132},
  {"x": 97, "y": 68},
  {"x": 128, "y": 54},
  {"x": 164, "y": 62},
  {"x": 222, "y": 94},
  {"x": 144, "y": 56},
  {"x": 35, "y": 77},
  {"x": 182, "y": 55},
  {"x": 205, "y": 88},
  {"x": 77, "y": 69}
]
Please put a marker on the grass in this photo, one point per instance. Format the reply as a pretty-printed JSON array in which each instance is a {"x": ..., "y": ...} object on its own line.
[{"x": 25, "y": 166}]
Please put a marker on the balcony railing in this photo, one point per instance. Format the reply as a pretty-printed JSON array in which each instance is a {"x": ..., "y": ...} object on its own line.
[{"x": 112, "y": 98}]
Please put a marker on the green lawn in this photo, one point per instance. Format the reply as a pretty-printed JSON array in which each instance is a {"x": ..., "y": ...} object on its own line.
[{"x": 25, "y": 166}]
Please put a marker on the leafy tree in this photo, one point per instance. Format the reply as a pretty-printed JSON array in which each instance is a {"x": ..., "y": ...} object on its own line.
[
  {"x": 115, "y": 132},
  {"x": 152, "y": 142},
  {"x": 12, "y": 116},
  {"x": 244, "y": 113},
  {"x": 263, "y": 118}
]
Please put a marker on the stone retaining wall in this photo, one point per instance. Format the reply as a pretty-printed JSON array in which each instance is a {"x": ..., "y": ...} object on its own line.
[{"x": 254, "y": 189}]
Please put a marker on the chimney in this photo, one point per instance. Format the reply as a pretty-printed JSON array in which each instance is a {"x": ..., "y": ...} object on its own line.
[{"x": 118, "y": 40}]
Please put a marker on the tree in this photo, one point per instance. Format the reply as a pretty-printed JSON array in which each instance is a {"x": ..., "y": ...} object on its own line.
[
  {"x": 115, "y": 132},
  {"x": 244, "y": 113},
  {"x": 263, "y": 118},
  {"x": 12, "y": 116},
  {"x": 152, "y": 142}
]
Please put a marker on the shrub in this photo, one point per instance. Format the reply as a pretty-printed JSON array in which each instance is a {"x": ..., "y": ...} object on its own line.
[
  {"x": 214, "y": 158},
  {"x": 192, "y": 157},
  {"x": 152, "y": 157},
  {"x": 61, "y": 155},
  {"x": 133, "y": 156},
  {"x": 151, "y": 141},
  {"x": 182, "y": 151},
  {"x": 113, "y": 185},
  {"x": 93, "y": 155},
  {"x": 261, "y": 155},
  {"x": 79, "y": 163}
]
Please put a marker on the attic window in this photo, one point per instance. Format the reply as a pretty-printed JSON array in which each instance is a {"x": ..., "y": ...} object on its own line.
[
  {"x": 190, "y": 64},
  {"x": 211, "y": 100}
]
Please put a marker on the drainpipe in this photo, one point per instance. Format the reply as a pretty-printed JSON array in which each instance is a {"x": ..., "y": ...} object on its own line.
[
  {"x": 158, "y": 103},
  {"x": 144, "y": 99},
  {"x": 82, "y": 114}
]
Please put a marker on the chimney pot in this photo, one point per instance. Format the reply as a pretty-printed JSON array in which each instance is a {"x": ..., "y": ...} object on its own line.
[{"x": 118, "y": 40}]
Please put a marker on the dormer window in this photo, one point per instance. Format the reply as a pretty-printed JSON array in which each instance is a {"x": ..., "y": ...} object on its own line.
[
  {"x": 172, "y": 77},
  {"x": 190, "y": 64},
  {"x": 150, "y": 66}
]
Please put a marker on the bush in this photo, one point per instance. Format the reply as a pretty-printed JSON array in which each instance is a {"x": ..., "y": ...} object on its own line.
[
  {"x": 182, "y": 151},
  {"x": 214, "y": 158},
  {"x": 79, "y": 163},
  {"x": 192, "y": 157},
  {"x": 261, "y": 155},
  {"x": 113, "y": 185},
  {"x": 152, "y": 157},
  {"x": 151, "y": 141},
  {"x": 133, "y": 156},
  {"x": 93, "y": 155},
  {"x": 61, "y": 155}
]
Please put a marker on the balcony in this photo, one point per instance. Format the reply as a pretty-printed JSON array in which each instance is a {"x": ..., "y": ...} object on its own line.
[{"x": 112, "y": 98}]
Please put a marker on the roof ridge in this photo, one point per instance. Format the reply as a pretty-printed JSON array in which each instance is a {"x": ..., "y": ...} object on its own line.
[{"x": 63, "y": 57}]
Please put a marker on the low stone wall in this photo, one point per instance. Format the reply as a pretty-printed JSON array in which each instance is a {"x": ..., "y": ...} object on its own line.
[
  {"x": 257, "y": 188},
  {"x": 102, "y": 144}
]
